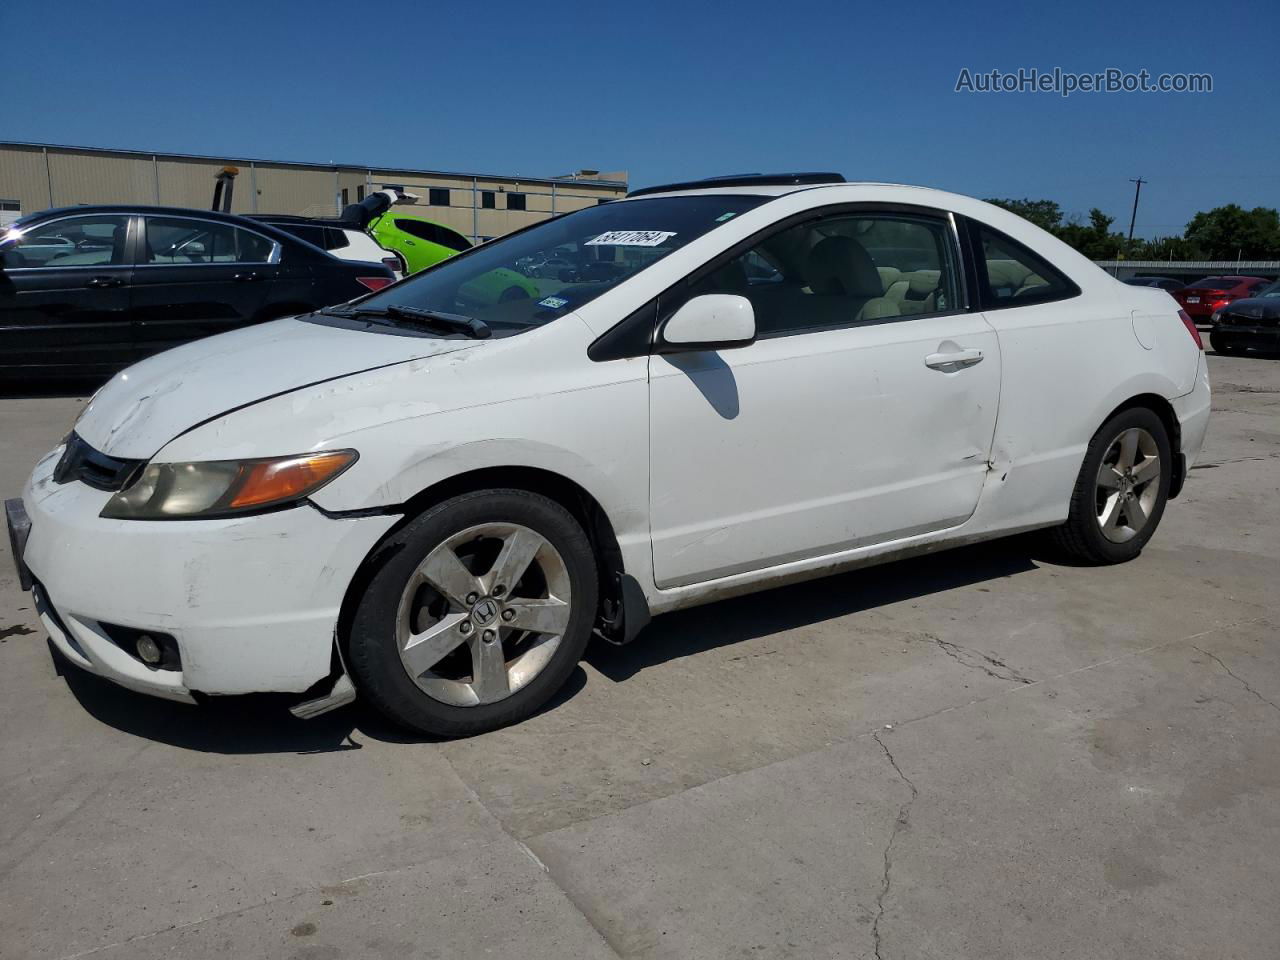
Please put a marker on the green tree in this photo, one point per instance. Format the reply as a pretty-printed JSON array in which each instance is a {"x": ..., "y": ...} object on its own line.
[
  {"x": 1095, "y": 240},
  {"x": 1045, "y": 214},
  {"x": 1225, "y": 233}
]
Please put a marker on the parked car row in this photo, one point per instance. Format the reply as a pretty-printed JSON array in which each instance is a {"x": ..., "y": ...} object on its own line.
[
  {"x": 87, "y": 290},
  {"x": 1202, "y": 298}
]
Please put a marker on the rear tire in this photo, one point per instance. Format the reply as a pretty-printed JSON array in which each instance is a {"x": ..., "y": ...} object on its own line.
[
  {"x": 1121, "y": 492},
  {"x": 1222, "y": 345},
  {"x": 478, "y": 614}
]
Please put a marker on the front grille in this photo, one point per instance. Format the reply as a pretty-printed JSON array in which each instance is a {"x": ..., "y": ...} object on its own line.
[{"x": 81, "y": 462}]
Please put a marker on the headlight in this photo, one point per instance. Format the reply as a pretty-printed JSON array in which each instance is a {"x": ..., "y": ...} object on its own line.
[
  {"x": 1217, "y": 315},
  {"x": 223, "y": 488}
]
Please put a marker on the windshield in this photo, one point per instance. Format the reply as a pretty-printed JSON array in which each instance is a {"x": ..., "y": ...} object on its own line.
[
  {"x": 1271, "y": 291},
  {"x": 533, "y": 277}
]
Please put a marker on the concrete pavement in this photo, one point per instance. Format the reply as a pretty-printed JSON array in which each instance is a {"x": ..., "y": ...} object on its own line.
[{"x": 979, "y": 754}]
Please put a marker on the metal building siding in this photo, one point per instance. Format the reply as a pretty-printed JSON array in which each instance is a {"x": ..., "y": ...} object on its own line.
[
  {"x": 87, "y": 175},
  {"x": 22, "y": 177},
  {"x": 99, "y": 178}
]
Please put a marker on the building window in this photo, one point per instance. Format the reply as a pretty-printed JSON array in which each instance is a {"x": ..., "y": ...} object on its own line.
[
  {"x": 515, "y": 201},
  {"x": 10, "y": 210},
  {"x": 488, "y": 199},
  {"x": 346, "y": 197},
  {"x": 604, "y": 200},
  {"x": 359, "y": 193},
  {"x": 438, "y": 197}
]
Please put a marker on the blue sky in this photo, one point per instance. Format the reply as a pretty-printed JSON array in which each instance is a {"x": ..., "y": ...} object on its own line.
[{"x": 671, "y": 91}]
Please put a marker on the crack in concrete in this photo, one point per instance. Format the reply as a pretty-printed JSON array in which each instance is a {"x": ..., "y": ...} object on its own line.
[
  {"x": 984, "y": 662},
  {"x": 904, "y": 814},
  {"x": 1238, "y": 679}
]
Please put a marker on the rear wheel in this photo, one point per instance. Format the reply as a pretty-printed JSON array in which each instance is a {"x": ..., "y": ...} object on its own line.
[
  {"x": 1121, "y": 492},
  {"x": 478, "y": 616},
  {"x": 1221, "y": 344}
]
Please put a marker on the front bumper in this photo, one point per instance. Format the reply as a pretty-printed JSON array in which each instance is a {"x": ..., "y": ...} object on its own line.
[
  {"x": 1248, "y": 334},
  {"x": 252, "y": 602}
]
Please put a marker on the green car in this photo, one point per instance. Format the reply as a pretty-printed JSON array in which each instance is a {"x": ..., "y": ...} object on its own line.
[{"x": 423, "y": 244}]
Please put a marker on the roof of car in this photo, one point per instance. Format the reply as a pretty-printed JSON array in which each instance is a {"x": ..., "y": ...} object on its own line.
[
  {"x": 744, "y": 180},
  {"x": 782, "y": 189},
  {"x": 138, "y": 208}
]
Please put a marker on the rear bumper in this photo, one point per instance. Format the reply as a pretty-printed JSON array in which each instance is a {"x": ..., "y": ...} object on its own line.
[
  {"x": 252, "y": 602},
  {"x": 1192, "y": 411}
]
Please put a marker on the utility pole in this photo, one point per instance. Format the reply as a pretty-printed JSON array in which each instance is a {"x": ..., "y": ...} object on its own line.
[{"x": 1137, "y": 191}]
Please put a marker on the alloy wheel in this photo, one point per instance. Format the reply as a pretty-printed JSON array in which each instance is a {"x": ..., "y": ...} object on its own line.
[
  {"x": 1128, "y": 485},
  {"x": 483, "y": 614}
]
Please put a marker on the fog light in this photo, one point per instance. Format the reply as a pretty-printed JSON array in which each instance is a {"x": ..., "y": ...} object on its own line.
[{"x": 148, "y": 650}]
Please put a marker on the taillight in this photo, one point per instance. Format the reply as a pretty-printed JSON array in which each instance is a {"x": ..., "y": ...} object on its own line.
[
  {"x": 1191, "y": 328},
  {"x": 375, "y": 283},
  {"x": 392, "y": 262}
]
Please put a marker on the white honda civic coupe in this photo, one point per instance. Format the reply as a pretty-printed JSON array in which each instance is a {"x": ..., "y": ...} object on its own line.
[{"x": 434, "y": 497}]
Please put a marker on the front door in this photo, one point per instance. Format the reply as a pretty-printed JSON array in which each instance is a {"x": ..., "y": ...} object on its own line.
[
  {"x": 863, "y": 413},
  {"x": 64, "y": 297},
  {"x": 198, "y": 277}
]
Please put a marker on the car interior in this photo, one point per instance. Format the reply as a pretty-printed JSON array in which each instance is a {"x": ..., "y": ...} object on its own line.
[
  {"x": 841, "y": 271},
  {"x": 74, "y": 243}
]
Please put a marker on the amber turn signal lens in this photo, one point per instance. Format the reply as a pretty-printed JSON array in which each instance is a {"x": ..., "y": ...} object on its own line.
[{"x": 273, "y": 481}]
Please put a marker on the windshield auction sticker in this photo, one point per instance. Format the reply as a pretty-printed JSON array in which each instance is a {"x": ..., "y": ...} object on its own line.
[{"x": 631, "y": 238}]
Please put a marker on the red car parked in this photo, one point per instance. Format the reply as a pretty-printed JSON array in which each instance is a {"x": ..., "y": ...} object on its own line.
[{"x": 1203, "y": 297}]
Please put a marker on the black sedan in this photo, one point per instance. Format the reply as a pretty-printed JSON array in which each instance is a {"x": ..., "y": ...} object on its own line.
[
  {"x": 1162, "y": 283},
  {"x": 1249, "y": 322},
  {"x": 85, "y": 291}
]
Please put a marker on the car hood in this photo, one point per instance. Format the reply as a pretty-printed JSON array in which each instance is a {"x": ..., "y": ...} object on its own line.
[
  {"x": 147, "y": 405},
  {"x": 1254, "y": 308}
]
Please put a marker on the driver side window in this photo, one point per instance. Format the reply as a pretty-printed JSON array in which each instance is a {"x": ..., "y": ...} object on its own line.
[
  {"x": 88, "y": 241},
  {"x": 842, "y": 270}
]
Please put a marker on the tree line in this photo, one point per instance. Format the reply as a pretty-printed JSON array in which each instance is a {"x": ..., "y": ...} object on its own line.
[{"x": 1223, "y": 233}]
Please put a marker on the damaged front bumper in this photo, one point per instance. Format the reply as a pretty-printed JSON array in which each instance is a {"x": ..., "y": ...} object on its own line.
[{"x": 250, "y": 603}]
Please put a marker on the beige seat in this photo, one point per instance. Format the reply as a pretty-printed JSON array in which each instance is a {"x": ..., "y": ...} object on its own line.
[{"x": 921, "y": 295}]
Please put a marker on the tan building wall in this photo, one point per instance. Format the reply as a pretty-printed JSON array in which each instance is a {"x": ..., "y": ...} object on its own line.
[{"x": 37, "y": 177}]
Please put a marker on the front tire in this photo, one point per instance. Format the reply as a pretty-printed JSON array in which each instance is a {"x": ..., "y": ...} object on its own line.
[
  {"x": 1121, "y": 492},
  {"x": 478, "y": 615},
  {"x": 1222, "y": 345}
]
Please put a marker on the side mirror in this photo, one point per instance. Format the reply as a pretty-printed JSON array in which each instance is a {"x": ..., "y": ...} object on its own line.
[{"x": 713, "y": 321}]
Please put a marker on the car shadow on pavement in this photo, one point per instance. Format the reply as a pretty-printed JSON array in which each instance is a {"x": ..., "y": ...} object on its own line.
[
  {"x": 255, "y": 723},
  {"x": 732, "y": 621},
  {"x": 18, "y": 389}
]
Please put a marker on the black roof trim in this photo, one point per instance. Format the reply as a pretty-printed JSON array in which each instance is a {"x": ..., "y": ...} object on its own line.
[{"x": 745, "y": 180}]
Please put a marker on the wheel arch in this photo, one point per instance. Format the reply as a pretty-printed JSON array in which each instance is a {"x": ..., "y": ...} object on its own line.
[
  {"x": 568, "y": 493},
  {"x": 1163, "y": 409}
]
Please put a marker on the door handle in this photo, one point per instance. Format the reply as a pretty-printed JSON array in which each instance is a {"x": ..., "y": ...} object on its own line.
[
  {"x": 954, "y": 360},
  {"x": 246, "y": 276},
  {"x": 105, "y": 282}
]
